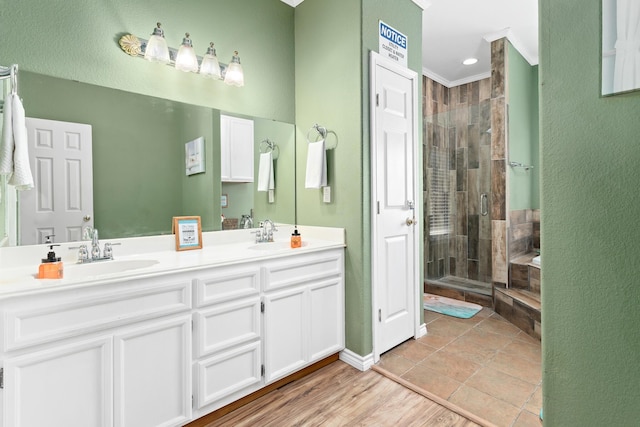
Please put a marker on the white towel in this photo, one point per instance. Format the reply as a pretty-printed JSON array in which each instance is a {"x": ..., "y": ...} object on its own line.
[
  {"x": 21, "y": 178},
  {"x": 6, "y": 143},
  {"x": 14, "y": 151},
  {"x": 265, "y": 172},
  {"x": 316, "y": 165}
]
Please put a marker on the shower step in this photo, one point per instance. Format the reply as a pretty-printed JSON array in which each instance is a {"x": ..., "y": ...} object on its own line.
[
  {"x": 461, "y": 289},
  {"x": 520, "y": 307}
]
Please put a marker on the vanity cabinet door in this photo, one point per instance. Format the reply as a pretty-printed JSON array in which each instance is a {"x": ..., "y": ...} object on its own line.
[
  {"x": 326, "y": 313},
  {"x": 66, "y": 385},
  {"x": 285, "y": 337},
  {"x": 236, "y": 149},
  {"x": 152, "y": 371}
]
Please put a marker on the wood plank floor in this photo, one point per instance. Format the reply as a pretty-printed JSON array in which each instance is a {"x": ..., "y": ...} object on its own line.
[{"x": 340, "y": 395}]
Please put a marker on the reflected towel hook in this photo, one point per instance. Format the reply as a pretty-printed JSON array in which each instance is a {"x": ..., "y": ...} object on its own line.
[{"x": 266, "y": 146}]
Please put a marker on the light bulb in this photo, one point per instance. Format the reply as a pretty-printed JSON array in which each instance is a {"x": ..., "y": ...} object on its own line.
[
  {"x": 210, "y": 66},
  {"x": 157, "y": 49},
  {"x": 186, "y": 59},
  {"x": 234, "y": 75}
]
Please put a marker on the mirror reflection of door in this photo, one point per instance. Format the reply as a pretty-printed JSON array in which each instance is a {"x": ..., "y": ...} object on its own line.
[
  {"x": 61, "y": 203},
  {"x": 620, "y": 46}
]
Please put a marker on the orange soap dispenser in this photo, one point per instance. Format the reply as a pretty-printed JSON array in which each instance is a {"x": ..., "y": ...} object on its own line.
[
  {"x": 296, "y": 238},
  {"x": 51, "y": 267}
]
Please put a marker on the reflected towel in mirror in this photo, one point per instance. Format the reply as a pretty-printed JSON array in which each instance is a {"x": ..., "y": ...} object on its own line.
[
  {"x": 265, "y": 172},
  {"x": 14, "y": 154},
  {"x": 316, "y": 165}
]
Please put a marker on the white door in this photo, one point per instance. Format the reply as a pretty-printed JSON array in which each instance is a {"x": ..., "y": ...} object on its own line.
[
  {"x": 62, "y": 200},
  {"x": 395, "y": 237}
]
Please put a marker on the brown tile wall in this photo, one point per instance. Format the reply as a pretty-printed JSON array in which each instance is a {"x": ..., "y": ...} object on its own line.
[{"x": 456, "y": 121}]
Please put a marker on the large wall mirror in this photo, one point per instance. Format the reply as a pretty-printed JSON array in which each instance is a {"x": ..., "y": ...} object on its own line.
[
  {"x": 138, "y": 149},
  {"x": 620, "y": 46}
]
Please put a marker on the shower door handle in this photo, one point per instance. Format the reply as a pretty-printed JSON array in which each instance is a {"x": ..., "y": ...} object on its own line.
[{"x": 484, "y": 204}]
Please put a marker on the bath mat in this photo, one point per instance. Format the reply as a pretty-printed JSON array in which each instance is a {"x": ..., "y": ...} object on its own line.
[{"x": 450, "y": 307}]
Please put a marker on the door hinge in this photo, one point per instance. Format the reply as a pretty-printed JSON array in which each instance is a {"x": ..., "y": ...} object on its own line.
[
  {"x": 261, "y": 307},
  {"x": 379, "y": 315},
  {"x": 192, "y": 401},
  {"x": 1, "y": 377},
  {"x": 377, "y": 99},
  {"x": 378, "y": 207},
  {"x": 262, "y": 370}
]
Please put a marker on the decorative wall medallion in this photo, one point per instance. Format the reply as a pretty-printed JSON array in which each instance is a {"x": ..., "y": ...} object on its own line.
[{"x": 130, "y": 44}]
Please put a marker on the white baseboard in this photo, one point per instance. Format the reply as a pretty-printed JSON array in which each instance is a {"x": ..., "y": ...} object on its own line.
[
  {"x": 422, "y": 330},
  {"x": 362, "y": 363}
]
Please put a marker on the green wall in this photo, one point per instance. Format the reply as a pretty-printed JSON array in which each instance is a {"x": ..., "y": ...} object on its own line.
[
  {"x": 524, "y": 146},
  {"x": 78, "y": 40},
  {"x": 333, "y": 39},
  {"x": 590, "y": 232}
]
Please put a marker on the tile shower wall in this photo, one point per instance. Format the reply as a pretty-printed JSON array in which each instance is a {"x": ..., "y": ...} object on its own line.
[{"x": 458, "y": 146}]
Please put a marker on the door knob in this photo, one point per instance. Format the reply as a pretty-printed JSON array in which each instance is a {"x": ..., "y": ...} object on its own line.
[
  {"x": 410, "y": 221},
  {"x": 86, "y": 218}
]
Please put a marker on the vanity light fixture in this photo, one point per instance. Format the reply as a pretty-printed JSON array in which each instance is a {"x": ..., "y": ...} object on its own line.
[
  {"x": 470, "y": 61},
  {"x": 234, "y": 75},
  {"x": 184, "y": 58},
  {"x": 157, "y": 49},
  {"x": 210, "y": 67}
]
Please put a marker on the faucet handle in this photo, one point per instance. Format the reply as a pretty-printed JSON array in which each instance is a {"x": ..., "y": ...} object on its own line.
[{"x": 107, "y": 252}]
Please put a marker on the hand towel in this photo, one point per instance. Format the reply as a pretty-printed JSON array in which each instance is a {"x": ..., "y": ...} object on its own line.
[
  {"x": 265, "y": 172},
  {"x": 21, "y": 178},
  {"x": 316, "y": 165},
  {"x": 6, "y": 143}
]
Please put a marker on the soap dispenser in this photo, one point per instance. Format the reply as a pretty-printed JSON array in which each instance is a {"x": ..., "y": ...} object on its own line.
[
  {"x": 51, "y": 267},
  {"x": 296, "y": 238}
]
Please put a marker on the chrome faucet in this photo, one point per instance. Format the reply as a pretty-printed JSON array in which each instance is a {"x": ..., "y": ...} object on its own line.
[
  {"x": 84, "y": 255},
  {"x": 95, "y": 245},
  {"x": 268, "y": 234}
]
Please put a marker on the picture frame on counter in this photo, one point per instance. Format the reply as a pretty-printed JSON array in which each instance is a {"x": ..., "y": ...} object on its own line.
[{"x": 188, "y": 232}]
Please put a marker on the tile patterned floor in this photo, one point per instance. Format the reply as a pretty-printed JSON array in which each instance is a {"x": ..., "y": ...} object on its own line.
[{"x": 484, "y": 364}]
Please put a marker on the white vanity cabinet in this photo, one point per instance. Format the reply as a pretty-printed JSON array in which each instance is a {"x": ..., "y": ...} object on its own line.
[
  {"x": 112, "y": 355},
  {"x": 303, "y": 311},
  {"x": 165, "y": 349},
  {"x": 236, "y": 149}
]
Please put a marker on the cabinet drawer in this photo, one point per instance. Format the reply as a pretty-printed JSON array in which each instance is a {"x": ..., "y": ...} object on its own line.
[
  {"x": 27, "y": 326},
  {"x": 224, "y": 284},
  {"x": 227, "y": 325},
  {"x": 229, "y": 375},
  {"x": 301, "y": 269}
]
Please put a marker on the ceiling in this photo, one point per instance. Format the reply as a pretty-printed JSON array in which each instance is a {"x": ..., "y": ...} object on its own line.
[{"x": 454, "y": 30}]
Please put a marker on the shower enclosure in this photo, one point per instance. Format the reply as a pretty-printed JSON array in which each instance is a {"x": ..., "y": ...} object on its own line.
[{"x": 457, "y": 185}]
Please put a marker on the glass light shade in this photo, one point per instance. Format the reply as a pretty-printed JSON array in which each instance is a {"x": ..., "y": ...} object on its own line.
[
  {"x": 210, "y": 66},
  {"x": 186, "y": 59},
  {"x": 234, "y": 75},
  {"x": 157, "y": 49}
]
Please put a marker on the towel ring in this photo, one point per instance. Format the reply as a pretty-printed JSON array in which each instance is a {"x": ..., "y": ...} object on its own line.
[
  {"x": 319, "y": 130},
  {"x": 266, "y": 145}
]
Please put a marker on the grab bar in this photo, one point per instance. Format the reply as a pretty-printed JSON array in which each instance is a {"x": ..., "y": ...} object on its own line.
[{"x": 484, "y": 204}]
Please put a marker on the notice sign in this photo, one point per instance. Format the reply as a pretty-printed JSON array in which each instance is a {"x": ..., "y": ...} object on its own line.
[{"x": 393, "y": 44}]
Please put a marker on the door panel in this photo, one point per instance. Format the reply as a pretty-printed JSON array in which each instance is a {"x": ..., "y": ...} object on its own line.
[{"x": 62, "y": 201}]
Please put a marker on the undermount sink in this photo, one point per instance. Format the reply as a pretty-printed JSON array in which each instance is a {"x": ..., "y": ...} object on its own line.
[
  {"x": 272, "y": 246},
  {"x": 102, "y": 268}
]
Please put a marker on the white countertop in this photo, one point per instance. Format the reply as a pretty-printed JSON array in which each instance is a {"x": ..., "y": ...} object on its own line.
[{"x": 153, "y": 256}]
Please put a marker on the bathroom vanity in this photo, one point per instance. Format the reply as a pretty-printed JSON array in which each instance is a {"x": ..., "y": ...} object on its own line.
[{"x": 160, "y": 337}]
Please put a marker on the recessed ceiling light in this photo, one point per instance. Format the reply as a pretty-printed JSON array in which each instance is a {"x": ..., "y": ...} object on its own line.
[{"x": 470, "y": 61}]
